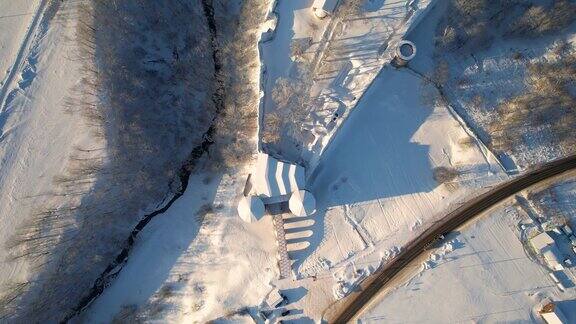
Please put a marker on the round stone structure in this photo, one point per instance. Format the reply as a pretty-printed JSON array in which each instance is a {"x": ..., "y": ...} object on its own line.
[{"x": 405, "y": 52}]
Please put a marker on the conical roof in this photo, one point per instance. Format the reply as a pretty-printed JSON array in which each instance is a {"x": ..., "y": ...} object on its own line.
[
  {"x": 251, "y": 209},
  {"x": 302, "y": 203}
]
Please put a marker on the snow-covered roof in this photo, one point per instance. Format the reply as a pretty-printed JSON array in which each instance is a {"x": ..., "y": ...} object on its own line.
[
  {"x": 545, "y": 245},
  {"x": 275, "y": 180},
  {"x": 541, "y": 240},
  {"x": 552, "y": 256},
  {"x": 251, "y": 209},
  {"x": 302, "y": 203},
  {"x": 274, "y": 298},
  {"x": 552, "y": 314},
  {"x": 326, "y": 5}
]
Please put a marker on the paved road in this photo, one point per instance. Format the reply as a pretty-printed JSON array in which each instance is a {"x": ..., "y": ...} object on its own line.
[{"x": 354, "y": 304}]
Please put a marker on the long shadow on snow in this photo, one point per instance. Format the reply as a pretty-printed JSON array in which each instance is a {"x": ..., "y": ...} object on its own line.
[
  {"x": 373, "y": 156},
  {"x": 88, "y": 250},
  {"x": 155, "y": 259}
]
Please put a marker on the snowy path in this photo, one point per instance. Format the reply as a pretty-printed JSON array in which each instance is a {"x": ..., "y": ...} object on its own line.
[{"x": 16, "y": 68}]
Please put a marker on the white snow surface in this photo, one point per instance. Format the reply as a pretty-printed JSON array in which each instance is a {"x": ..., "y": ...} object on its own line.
[
  {"x": 214, "y": 268},
  {"x": 482, "y": 275},
  {"x": 377, "y": 177},
  {"x": 375, "y": 189},
  {"x": 36, "y": 135}
]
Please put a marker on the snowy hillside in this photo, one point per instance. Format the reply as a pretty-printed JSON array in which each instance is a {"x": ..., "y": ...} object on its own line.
[{"x": 260, "y": 161}]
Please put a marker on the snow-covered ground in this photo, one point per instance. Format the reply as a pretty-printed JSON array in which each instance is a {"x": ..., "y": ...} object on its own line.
[
  {"x": 36, "y": 135},
  {"x": 342, "y": 56},
  {"x": 375, "y": 187},
  {"x": 189, "y": 268},
  {"x": 375, "y": 184},
  {"x": 479, "y": 84},
  {"x": 484, "y": 273}
]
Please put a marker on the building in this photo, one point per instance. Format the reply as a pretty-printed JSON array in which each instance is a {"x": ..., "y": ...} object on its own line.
[
  {"x": 323, "y": 8},
  {"x": 274, "y": 298},
  {"x": 544, "y": 244},
  {"x": 273, "y": 180},
  {"x": 552, "y": 314}
]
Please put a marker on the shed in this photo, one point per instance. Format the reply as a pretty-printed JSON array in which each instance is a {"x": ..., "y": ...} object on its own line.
[
  {"x": 275, "y": 298},
  {"x": 545, "y": 245},
  {"x": 251, "y": 209},
  {"x": 302, "y": 203},
  {"x": 273, "y": 180},
  {"x": 552, "y": 314},
  {"x": 323, "y": 8}
]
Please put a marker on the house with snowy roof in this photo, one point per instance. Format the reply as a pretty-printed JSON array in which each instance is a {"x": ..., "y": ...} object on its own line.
[
  {"x": 544, "y": 244},
  {"x": 272, "y": 182},
  {"x": 552, "y": 314}
]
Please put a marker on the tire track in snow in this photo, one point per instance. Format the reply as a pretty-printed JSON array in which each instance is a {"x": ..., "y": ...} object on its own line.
[{"x": 22, "y": 54}]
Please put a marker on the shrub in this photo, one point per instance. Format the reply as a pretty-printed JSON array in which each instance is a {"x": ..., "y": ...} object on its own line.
[
  {"x": 444, "y": 175},
  {"x": 540, "y": 20}
]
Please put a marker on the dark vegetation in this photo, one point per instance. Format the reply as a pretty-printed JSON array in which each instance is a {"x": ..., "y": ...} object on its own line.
[
  {"x": 445, "y": 174},
  {"x": 473, "y": 25},
  {"x": 157, "y": 93},
  {"x": 541, "y": 115},
  {"x": 547, "y": 108},
  {"x": 149, "y": 92}
]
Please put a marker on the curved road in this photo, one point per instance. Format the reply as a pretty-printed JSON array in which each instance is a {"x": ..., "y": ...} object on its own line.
[{"x": 355, "y": 303}]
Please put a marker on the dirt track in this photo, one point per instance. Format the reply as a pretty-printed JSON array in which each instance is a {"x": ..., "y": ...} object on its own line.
[{"x": 354, "y": 304}]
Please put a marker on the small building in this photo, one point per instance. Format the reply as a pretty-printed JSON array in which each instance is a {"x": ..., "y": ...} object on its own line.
[
  {"x": 567, "y": 230},
  {"x": 273, "y": 180},
  {"x": 552, "y": 314},
  {"x": 279, "y": 185},
  {"x": 324, "y": 8},
  {"x": 274, "y": 298},
  {"x": 545, "y": 245}
]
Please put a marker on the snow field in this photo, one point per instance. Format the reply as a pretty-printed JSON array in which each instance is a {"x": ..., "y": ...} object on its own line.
[
  {"x": 37, "y": 136},
  {"x": 377, "y": 178},
  {"x": 481, "y": 274},
  {"x": 205, "y": 261}
]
